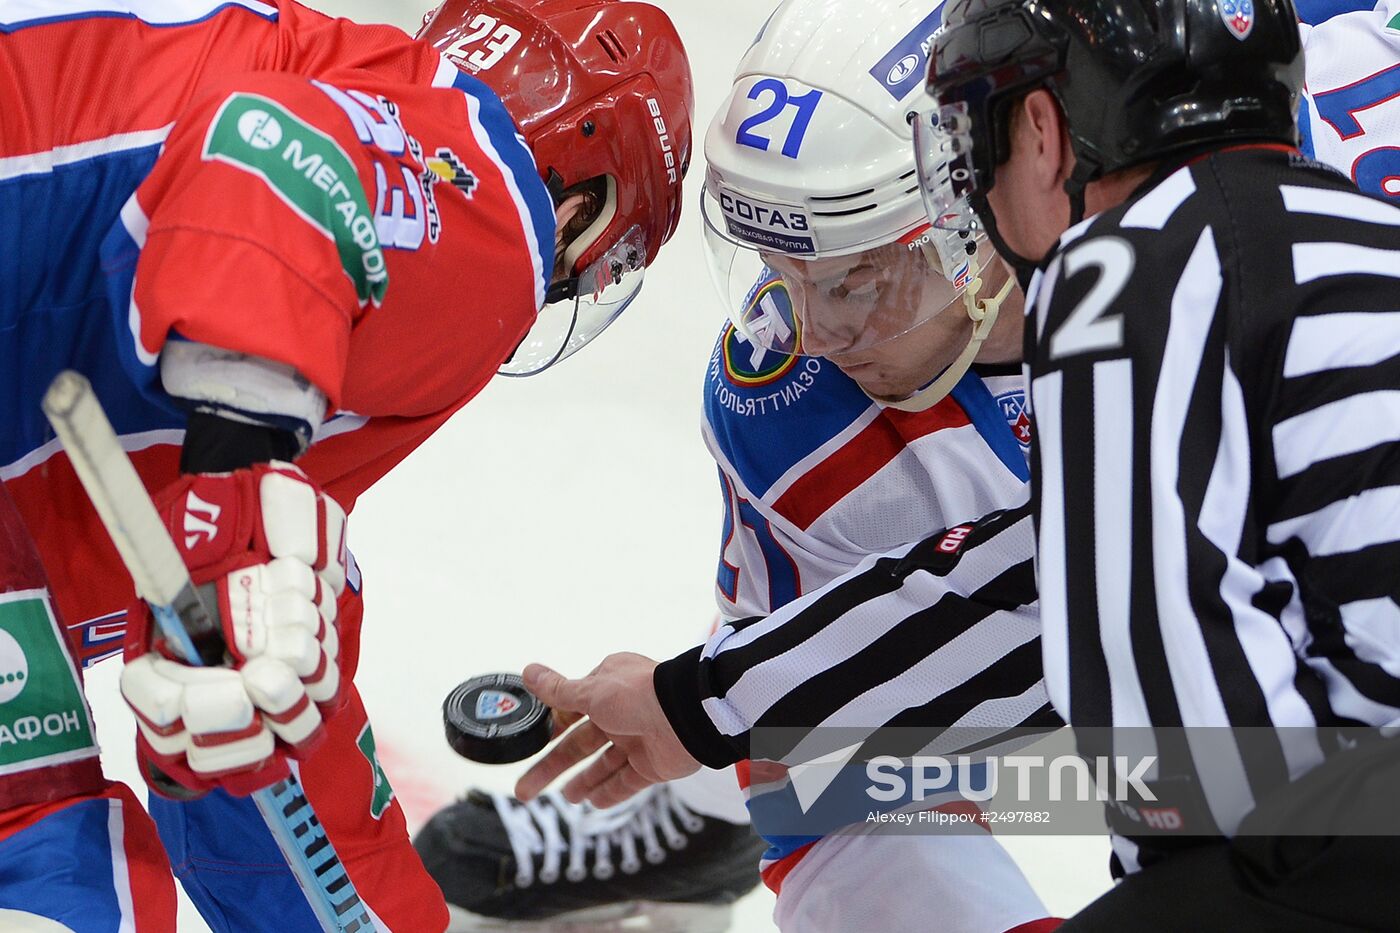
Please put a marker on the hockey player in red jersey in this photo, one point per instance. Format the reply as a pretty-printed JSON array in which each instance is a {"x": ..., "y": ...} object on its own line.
[{"x": 265, "y": 236}]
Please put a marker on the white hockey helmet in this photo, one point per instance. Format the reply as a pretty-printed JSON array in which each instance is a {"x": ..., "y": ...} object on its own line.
[{"x": 812, "y": 176}]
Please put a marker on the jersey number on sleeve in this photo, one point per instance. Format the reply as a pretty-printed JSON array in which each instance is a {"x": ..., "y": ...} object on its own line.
[
  {"x": 1376, "y": 171},
  {"x": 784, "y": 584},
  {"x": 400, "y": 217}
]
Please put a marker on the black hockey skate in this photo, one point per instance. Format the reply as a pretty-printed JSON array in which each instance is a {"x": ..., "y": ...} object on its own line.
[{"x": 649, "y": 864}]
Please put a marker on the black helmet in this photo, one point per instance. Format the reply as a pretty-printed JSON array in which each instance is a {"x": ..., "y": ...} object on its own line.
[{"x": 1137, "y": 79}]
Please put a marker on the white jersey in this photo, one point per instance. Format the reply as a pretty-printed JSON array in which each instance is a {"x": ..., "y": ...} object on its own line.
[
  {"x": 816, "y": 479},
  {"x": 1351, "y": 111},
  {"x": 816, "y": 476}
]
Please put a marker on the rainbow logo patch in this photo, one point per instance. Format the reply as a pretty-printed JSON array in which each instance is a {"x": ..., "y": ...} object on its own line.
[{"x": 746, "y": 363}]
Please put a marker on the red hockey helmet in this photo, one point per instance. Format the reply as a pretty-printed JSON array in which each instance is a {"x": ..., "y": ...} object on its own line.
[{"x": 602, "y": 92}]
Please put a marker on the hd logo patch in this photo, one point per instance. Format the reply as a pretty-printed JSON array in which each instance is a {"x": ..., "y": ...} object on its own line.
[{"x": 43, "y": 717}]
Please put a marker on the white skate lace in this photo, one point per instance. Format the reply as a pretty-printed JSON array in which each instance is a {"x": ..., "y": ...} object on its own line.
[{"x": 536, "y": 831}]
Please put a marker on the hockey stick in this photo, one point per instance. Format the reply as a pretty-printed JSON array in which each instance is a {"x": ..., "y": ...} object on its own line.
[{"x": 161, "y": 579}]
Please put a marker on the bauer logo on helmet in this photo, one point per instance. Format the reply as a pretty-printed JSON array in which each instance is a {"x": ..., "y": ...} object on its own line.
[{"x": 654, "y": 108}]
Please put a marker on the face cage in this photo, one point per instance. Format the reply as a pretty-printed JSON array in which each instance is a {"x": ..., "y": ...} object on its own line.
[
  {"x": 882, "y": 292},
  {"x": 943, "y": 149},
  {"x": 605, "y": 289}
]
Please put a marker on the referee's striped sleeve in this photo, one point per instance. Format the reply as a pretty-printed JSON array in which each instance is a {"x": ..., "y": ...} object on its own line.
[
  {"x": 1333, "y": 423},
  {"x": 896, "y": 641}
]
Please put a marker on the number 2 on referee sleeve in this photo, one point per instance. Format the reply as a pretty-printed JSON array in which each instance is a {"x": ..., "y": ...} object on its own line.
[{"x": 1088, "y": 329}]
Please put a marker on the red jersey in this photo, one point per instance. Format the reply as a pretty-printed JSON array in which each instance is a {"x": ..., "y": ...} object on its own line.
[{"x": 262, "y": 178}]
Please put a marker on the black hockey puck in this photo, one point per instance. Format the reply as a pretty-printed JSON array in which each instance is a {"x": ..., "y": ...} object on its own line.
[{"x": 493, "y": 719}]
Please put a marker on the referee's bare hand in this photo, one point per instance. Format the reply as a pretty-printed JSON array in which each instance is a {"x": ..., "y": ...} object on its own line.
[{"x": 617, "y": 712}]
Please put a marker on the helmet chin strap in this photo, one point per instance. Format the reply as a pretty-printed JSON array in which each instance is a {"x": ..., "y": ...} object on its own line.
[{"x": 983, "y": 312}]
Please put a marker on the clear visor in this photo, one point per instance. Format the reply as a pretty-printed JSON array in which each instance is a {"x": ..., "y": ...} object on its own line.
[
  {"x": 819, "y": 305},
  {"x": 605, "y": 289},
  {"x": 943, "y": 154}
]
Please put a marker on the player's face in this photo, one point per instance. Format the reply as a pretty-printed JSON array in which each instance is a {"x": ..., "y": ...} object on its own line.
[
  {"x": 861, "y": 300},
  {"x": 897, "y": 315}
]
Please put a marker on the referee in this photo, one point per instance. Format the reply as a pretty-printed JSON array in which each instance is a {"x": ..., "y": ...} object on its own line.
[
  {"x": 1214, "y": 359},
  {"x": 1214, "y": 364}
]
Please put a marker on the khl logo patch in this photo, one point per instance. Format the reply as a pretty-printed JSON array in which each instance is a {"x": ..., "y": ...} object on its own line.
[
  {"x": 1238, "y": 16},
  {"x": 1013, "y": 409},
  {"x": 493, "y": 704}
]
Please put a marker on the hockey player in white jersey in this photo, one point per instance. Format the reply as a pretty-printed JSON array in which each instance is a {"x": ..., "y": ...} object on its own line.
[
  {"x": 866, "y": 391},
  {"x": 1350, "y": 117}
]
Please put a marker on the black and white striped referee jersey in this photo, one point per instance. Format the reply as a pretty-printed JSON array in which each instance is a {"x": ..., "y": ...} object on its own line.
[
  {"x": 937, "y": 634},
  {"x": 1214, "y": 373}
]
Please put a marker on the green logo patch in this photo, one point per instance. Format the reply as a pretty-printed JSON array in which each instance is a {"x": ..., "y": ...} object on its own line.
[
  {"x": 311, "y": 173},
  {"x": 43, "y": 717},
  {"x": 383, "y": 792},
  {"x": 1394, "y": 22}
]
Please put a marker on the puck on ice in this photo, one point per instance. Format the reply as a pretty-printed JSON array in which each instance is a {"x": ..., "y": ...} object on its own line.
[{"x": 493, "y": 719}]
